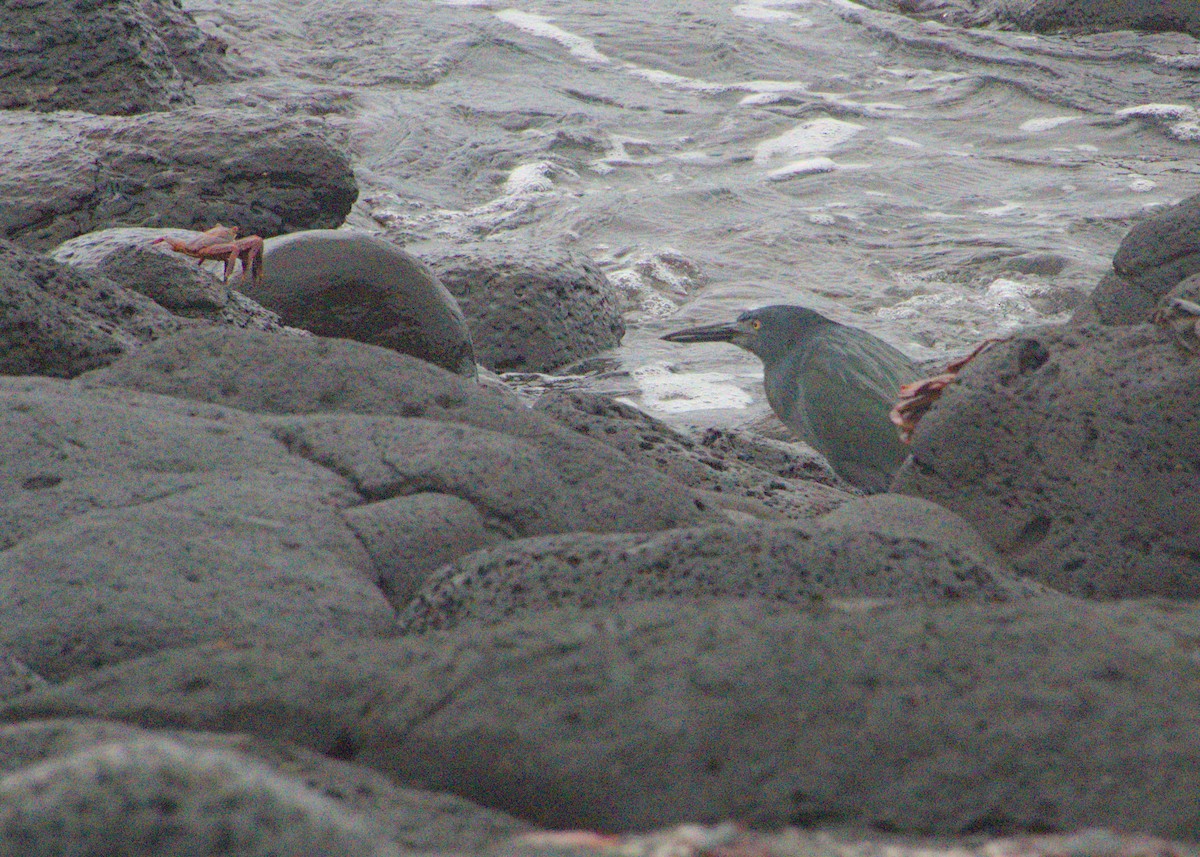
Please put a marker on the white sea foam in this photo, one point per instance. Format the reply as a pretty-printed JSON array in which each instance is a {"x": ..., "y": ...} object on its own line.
[
  {"x": 1001, "y": 210},
  {"x": 809, "y": 138},
  {"x": 528, "y": 188},
  {"x": 772, "y": 10},
  {"x": 679, "y": 392},
  {"x": 530, "y": 178},
  {"x": 539, "y": 25},
  {"x": 1184, "y": 61},
  {"x": 806, "y": 167},
  {"x": 1045, "y": 123},
  {"x": 666, "y": 78},
  {"x": 1001, "y": 308},
  {"x": 1158, "y": 111},
  {"x": 1188, "y": 132}
]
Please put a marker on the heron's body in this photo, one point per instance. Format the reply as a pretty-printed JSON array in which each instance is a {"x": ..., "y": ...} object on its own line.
[{"x": 831, "y": 384}]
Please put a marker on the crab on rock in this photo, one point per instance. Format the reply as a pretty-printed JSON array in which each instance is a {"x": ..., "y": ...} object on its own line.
[
  {"x": 918, "y": 397},
  {"x": 222, "y": 243}
]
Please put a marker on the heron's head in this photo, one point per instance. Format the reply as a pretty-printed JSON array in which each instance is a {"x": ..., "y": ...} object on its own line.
[{"x": 770, "y": 332}]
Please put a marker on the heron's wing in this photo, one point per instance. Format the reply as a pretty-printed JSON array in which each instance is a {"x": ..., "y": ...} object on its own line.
[
  {"x": 849, "y": 386},
  {"x": 859, "y": 360}
]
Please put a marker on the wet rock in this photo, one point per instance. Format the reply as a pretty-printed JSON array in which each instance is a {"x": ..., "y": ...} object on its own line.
[
  {"x": 349, "y": 284},
  {"x": 128, "y": 257},
  {"x": 1096, "y": 16},
  {"x": 70, "y": 174},
  {"x": 172, "y": 283},
  {"x": 1155, "y": 256},
  {"x": 741, "y": 471},
  {"x": 892, "y": 547},
  {"x": 1188, "y": 290},
  {"x": 113, "y": 56},
  {"x": 155, "y": 795},
  {"x": 17, "y": 679},
  {"x": 133, "y": 523},
  {"x": 155, "y": 521},
  {"x": 951, "y": 718},
  {"x": 530, "y": 310},
  {"x": 1163, "y": 249},
  {"x": 411, "y": 818},
  {"x": 1116, "y": 300},
  {"x": 55, "y": 320},
  {"x": 1037, "y": 264},
  {"x": 1052, "y": 16},
  {"x": 295, "y": 375},
  {"x": 412, "y": 535},
  {"x": 1072, "y": 451}
]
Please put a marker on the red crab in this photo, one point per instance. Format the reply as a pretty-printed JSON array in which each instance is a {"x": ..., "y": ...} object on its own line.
[
  {"x": 918, "y": 397},
  {"x": 222, "y": 243}
]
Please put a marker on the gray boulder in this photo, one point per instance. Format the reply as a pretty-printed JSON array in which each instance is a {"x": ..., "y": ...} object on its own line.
[
  {"x": 189, "y": 168},
  {"x": 154, "y": 795},
  {"x": 1052, "y": 16},
  {"x": 414, "y": 820},
  {"x": 1072, "y": 451},
  {"x": 16, "y": 679},
  {"x": 1097, "y": 16},
  {"x": 530, "y": 311},
  {"x": 1044, "y": 714},
  {"x": 129, "y": 257},
  {"x": 1157, "y": 254},
  {"x": 741, "y": 471},
  {"x": 411, "y": 535},
  {"x": 133, "y": 523},
  {"x": 305, "y": 375},
  {"x": 887, "y": 548},
  {"x": 120, "y": 56},
  {"x": 512, "y": 485},
  {"x": 352, "y": 285},
  {"x": 57, "y": 321},
  {"x": 1116, "y": 300},
  {"x": 1163, "y": 249}
]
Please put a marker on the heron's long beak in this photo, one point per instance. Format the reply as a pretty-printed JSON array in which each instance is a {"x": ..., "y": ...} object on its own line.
[{"x": 723, "y": 332}]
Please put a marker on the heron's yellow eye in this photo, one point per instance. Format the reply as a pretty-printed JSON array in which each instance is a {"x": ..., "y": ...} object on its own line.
[{"x": 756, "y": 324}]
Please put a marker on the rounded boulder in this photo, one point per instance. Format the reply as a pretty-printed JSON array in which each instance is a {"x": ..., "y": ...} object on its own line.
[{"x": 351, "y": 285}]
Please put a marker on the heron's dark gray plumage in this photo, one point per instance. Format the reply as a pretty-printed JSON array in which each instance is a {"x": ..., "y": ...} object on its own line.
[{"x": 833, "y": 385}]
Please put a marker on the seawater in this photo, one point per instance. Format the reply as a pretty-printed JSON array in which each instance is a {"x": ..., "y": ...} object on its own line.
[{"x": 930, "y": 184}]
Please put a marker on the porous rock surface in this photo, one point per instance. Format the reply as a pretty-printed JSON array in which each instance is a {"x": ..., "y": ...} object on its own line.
[
  {"x": 306, "y": 375},
  {"x": 412, "y": 819},
  {"x": 153, "y": 795},
  {"x": 132, "y": 522},
  {"x": 128, "y": 257},
  {"x": 1156, "y": 254},
  {"x": 67, "y": 174},
  {"x": 349, "y": 284},
  {"x": 410, "y": 536},
  {"x": 1072, "y": 451},
  {"x": 1116, "y": 300},
  {"x": 155, "y": 521},
  {"x": 528, "y": 310},
  {"x": 1052, "y": 16},
  {"x": 119, "y": 57},
  {"x": 949, "y": 718},
  {"x": 58, "y": 321},
  {"x": 740, "y": 470},
  {"x": 890, "y": 547},
  {"x": 16, "y": 678}
]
